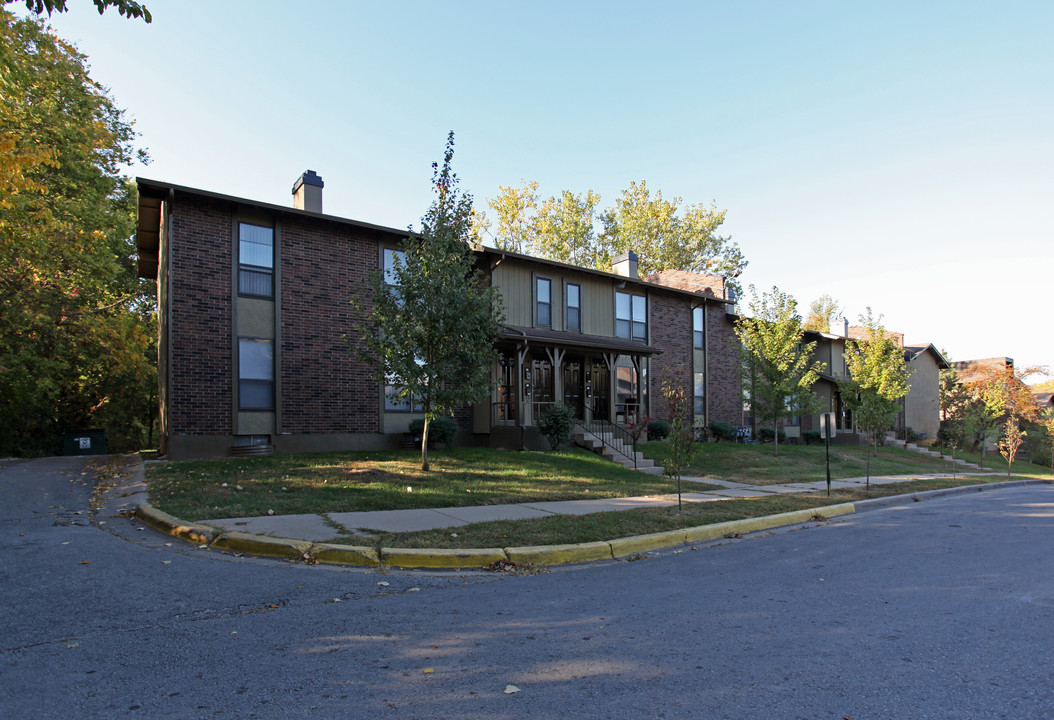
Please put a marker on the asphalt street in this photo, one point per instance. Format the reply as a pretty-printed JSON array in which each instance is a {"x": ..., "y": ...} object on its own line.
[{"x": 939, "y": 609}]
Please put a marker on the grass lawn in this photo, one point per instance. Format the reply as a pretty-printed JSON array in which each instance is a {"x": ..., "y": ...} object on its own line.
[
  {"x": 609, "y": 526},
  {"x": 756, "y": 464},
  {"x": 361, "y": 481}
]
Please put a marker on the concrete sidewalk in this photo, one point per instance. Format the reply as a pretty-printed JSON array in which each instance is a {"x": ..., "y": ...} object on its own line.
[{"x": 328, "y": 527}]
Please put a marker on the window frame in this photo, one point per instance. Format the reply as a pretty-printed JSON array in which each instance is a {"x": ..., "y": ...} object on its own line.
[
  {"x": 538, "y": 279},
  {"x": 253, "y": 381},
  {"x": 635, "y": 329},
  {"x": 251, "y": 269},
  {"x": 568, "y": 307}
]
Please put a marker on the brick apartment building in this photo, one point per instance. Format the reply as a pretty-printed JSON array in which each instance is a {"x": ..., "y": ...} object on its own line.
[{"x": 257, "y": 332}]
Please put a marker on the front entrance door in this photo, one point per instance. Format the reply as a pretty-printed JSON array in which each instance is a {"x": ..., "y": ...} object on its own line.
[
  {"x": 601, "y": 385},
  {"x": 574, "y": 394}
]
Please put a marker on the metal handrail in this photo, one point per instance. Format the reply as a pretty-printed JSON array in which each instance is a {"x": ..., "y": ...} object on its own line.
[{"x": 600, "y": 428}]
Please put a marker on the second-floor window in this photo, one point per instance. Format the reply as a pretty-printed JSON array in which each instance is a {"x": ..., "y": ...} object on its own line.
[
  {"x": 543, "y": 297},
  {"x": 697, "y": 328},
  {"x": 255, "y": 260},
  {"x": 631, "y": 316},
  {"x": 574, "y": 307}
]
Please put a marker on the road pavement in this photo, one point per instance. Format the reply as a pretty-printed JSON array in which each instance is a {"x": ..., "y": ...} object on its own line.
[{"x": 941, "y": 609}]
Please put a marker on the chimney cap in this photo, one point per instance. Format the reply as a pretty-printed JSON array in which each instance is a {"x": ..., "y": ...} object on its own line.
[
  {"x": 308, "y": 178},
  {"x": 628, "y": 255}
]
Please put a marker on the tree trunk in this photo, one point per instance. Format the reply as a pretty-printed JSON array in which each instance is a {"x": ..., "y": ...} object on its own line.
[
  {"x": 776, "y": 438},
  {"x": 424, "y": 446}
]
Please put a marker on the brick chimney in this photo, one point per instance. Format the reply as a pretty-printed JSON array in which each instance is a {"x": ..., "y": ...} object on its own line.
[
  {"x": 625, "y": 265},
  {"x": 307, "y": 192}
]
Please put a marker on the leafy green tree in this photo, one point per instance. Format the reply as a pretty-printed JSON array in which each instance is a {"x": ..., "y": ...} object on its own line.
[
  {"x": 516, "y": 209},
  {"x": 664, "y": 239},
  {"x": 821, "y": 312},
  {"x": 433, "y": 321},
  {"x": 127, "y": 8},
  {"x": 878, "y": 379},
  {"x": 76, "y": 324},
  {"x": 564, "y": 228},
  {"x": 778, "y": 373},
  {"x": 664, "y": 235}
]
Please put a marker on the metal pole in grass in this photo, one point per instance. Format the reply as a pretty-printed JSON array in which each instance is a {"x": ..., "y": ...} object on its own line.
[{"x": 828, "y": 430}]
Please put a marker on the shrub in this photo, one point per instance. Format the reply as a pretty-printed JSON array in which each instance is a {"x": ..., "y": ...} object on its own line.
[
  {"x": 723, "y": 431},
  {"x": 765, "y": 435},
  {"x": 811, "y": 436},
  {"x": 658, "y": 430},
  {"x": 440, "y": 430},
  {"x": 556, "y": 424}
]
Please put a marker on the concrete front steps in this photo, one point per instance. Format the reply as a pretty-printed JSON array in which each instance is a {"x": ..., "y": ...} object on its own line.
[
  {"x": 892, "y": 441},
  {"x": 615, "y": 450}
]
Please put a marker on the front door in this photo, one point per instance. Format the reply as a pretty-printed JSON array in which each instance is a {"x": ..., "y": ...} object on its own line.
[
  {"x": 573, "y": 387},
  {"x": 601, "y": 387}
]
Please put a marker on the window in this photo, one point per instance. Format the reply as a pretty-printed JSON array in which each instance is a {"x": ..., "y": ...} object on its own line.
[
  {"x": 700, "y": 394},
  {"x": 574, "y": 307},
  {"x": 631, "y": 316},
  {"x": 543, "y": 302},
  {"x": 255, "y": 260},
  {"x": 392, "y": 400},
  {"x": 697, "y": 328},
  {"x": 255, "y": 374},
  {"x": 389, "y": 264}
]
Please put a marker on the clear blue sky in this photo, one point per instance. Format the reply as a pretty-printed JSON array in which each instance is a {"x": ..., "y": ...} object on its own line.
[{"x": 898, "y": 155}]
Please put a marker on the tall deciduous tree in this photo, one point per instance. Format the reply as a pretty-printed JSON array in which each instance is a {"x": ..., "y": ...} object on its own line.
[
  {"x": 663, "y": 234},
  {"x": 76, "y": 332},
  {"x": 128, "y": 8},
  {"x": 433, "y": 320},
  {"x": 778, "y": 367},
  {"x": 564, "y": 228},
  {"x": 664, "y": 239},
  {"x": 516, "y": 210},
  {"x": 821, "y": 312},
  {"x": 878, "y": 379}
]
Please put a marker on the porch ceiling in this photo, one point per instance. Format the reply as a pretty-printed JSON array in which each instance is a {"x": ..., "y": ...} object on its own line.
[{"x": 572, "y": 340}]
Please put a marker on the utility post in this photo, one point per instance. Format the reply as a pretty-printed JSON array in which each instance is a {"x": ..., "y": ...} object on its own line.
[{"x": 828, "y": 430}]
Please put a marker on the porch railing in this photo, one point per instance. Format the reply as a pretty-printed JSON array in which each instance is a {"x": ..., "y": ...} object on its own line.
[{"x": 612, "y": 436}]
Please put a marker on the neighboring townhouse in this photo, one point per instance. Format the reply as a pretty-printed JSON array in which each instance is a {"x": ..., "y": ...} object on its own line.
[
  {"x": 922, "y": 405},
  {"x": 258, "y": 306},
  {"x": 920, "y": 409},
  {"x": 1044, "y": 401}
]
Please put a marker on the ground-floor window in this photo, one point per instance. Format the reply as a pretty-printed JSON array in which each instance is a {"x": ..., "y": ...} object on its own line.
[{"x": 699, "y": 393}]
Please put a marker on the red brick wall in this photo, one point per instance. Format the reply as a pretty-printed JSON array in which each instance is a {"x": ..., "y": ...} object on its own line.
[
  {"x": 725, "y": 382},
  {"x": 200, "y": 297},
  {"x": 671, "y": 332},
  {"x": 325, "y": 389}
]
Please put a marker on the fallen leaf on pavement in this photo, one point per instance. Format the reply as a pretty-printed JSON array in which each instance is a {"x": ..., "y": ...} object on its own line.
[
  {"x": 85, "y": 562},
  {"x": 510, "y": 689},
  {"x": 428, "y": 670}
]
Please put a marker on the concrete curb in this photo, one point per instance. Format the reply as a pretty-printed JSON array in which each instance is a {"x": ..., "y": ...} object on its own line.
[
  {"x": 543, "y": 555},
  {"x": 171, "y": 525}
]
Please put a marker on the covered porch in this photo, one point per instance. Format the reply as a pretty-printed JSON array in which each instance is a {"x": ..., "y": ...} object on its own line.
[{"x": 599, "y": 378}]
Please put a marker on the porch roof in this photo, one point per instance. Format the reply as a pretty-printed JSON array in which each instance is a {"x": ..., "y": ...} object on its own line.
[{"x": 573, "y": 340}]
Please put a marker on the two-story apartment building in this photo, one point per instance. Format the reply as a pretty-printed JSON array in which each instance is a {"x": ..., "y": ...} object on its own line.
[{"x": 257, "y": 332}]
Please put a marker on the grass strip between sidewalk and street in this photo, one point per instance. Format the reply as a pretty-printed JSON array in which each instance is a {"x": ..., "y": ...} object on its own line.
[
  {"x": 564, "y": 529},
  {"x": 755, "y": 464}
]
